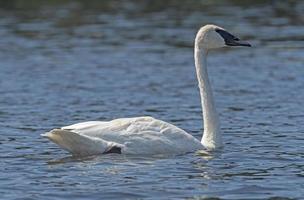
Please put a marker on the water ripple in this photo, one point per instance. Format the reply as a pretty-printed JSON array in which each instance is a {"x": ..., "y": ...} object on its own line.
[{"x": 66, "y": 62}]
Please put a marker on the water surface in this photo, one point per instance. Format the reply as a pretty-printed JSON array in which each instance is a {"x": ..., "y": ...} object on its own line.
[{"x": 67, "y": 62}]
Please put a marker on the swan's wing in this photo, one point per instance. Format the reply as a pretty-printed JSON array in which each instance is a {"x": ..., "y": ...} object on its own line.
[
  {"x": 123, "y": 127},
  {"x": 83, "y": 125}
]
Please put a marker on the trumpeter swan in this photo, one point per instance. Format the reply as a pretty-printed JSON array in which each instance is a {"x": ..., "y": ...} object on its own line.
[{"x": 146, "y": 135}]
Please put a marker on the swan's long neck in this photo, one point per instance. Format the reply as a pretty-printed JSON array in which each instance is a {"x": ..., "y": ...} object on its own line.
[{"x": 212, "y": 137}]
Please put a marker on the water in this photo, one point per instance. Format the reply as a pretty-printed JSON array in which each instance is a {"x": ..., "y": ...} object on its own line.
[{"x": 67, "y": 62}]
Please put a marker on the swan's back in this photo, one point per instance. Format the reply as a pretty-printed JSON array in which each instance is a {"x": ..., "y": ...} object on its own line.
[{"x": 140, "y": 135}]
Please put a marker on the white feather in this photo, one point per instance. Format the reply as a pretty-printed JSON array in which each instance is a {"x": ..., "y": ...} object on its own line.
[{"x": 140, "y": 135}]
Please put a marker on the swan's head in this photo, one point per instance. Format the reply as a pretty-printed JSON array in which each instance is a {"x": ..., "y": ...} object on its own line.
[{"x": 213, "y": 37}]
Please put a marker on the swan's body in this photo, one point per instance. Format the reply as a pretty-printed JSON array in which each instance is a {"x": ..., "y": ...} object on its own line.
[
  {"x": 146, "y": 135},
  {"x": 139, "y": 135}
]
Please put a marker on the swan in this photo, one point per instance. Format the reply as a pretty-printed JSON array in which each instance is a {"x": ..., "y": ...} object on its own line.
[{"x": 147, "y": 135}]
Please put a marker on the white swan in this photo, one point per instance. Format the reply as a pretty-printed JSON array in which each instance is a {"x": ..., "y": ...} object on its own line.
[{"x": 146, "y": 135}]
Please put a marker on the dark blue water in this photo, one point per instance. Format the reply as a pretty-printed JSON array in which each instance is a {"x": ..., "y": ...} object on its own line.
[{"x": 67, "y": 62}]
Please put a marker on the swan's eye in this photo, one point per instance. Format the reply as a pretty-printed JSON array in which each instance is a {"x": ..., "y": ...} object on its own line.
[{"x": 226, "y": 35}]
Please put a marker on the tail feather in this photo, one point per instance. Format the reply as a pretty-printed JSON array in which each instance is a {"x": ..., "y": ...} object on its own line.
[{"x": 78, "y": 144}]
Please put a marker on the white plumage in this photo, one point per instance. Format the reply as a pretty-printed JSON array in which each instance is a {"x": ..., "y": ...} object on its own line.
[
  {"x": 146, "y": 135},
  {"x": 140, "y": 135}
]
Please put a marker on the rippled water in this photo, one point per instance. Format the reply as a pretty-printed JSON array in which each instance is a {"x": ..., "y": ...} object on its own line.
[{"x": 63, "y": 63}]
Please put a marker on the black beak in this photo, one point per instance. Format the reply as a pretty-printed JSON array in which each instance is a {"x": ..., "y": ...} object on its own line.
[{"x": 231, "y": 40}]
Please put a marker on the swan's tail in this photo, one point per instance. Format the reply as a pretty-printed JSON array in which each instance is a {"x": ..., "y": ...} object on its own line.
[{"x": 78, "y": 144}]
